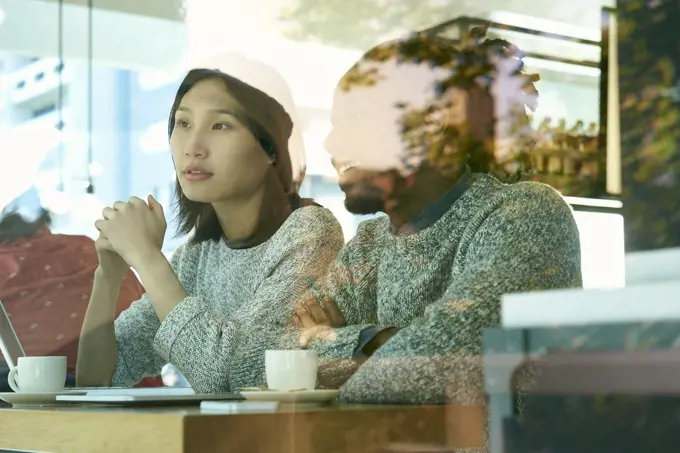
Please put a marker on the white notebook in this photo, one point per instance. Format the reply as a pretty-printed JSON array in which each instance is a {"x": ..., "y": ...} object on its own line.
[{"x": 136, "y": 397}]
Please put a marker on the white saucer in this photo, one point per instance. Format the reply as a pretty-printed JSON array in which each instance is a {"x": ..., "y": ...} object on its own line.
[
  {"x": 302, "y": 396},
  {"x": 35, "y": 399}
]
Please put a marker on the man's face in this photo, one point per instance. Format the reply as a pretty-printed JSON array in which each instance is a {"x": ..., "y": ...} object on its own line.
[
  {"x": 389, "y": 119},
  {"x": 366, "y": 191},
  {"x": 367, "y": 142}
]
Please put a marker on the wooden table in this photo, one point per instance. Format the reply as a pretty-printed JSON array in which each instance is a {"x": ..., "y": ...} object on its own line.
[{"x": 330, "y": 429}]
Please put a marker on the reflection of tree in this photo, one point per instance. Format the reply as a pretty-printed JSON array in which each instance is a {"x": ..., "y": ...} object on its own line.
[
  {"x": 650, "y": 124},
  {"x": 489, "y": 72},
  {"x": 336, "y": 23},
  {"x": 359, "y": 23}
]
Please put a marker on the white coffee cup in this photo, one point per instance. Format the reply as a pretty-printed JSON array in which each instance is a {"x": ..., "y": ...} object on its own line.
[
  {"x": 38, "y": 375},
  {"x": 291, "y": 369}
]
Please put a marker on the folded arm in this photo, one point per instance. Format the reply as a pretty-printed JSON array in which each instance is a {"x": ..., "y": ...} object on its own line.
[
  {"x": 523, "y": 246},
  {"x": 350, "y": 283}
]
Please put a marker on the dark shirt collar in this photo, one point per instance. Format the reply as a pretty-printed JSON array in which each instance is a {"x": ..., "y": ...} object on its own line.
[{"x": 435, "y": 211}]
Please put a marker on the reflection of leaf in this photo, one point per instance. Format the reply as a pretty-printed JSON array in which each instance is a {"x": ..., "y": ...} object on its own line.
[
  {"x": 650, "y": 125},
  {"x": 354, "y": 77},
  {"x": 493, "y": 68}
]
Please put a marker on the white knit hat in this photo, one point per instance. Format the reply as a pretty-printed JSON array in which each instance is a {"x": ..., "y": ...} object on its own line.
[{"x": 268, "y": 80}]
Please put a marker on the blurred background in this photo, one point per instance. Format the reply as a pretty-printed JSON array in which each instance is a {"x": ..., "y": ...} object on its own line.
[{"x": 85, "y": 89}]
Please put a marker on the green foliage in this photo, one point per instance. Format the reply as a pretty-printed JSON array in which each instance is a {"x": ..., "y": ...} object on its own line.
[
  {"x": 650, "y": 125},
  {"x": 470, "y": 66}
]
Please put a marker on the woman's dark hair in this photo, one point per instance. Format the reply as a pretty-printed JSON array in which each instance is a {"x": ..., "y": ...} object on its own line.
[
  {"x": 266, "y": 119},
  {"x": 14, "y": 226}
]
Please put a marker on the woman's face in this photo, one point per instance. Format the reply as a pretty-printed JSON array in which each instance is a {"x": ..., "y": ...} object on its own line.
[{"x": 216, "y": 156}]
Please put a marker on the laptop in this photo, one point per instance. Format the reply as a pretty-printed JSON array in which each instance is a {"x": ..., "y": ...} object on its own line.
[{"x": 11, "y": 349}]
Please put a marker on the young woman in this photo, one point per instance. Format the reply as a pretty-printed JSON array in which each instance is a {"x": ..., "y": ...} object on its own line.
[{"x": 228, "y": 294}]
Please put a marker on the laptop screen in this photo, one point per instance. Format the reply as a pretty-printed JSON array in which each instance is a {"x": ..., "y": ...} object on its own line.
[{"x": 9, "y": 342}]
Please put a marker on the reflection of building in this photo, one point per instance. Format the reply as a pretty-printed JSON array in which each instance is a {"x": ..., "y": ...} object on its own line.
[
  {"x": 132, "y": 91},
  {"x": 32, "y": 94},
  {"x": 130, "y": 143},
  {"x": 570, "y": 160}
]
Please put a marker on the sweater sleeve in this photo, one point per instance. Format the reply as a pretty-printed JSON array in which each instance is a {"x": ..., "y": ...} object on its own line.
[
  {"x": 351, "y": 283},
  {"x": 217, "y": 354},
  {"x": 136, "y": 329},
  {"x": 529, "y": 242}
]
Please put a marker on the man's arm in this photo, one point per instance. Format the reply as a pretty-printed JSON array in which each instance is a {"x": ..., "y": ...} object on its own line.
[
  {"x": 526, "y": 245},
  {"x": 350, "y": 284}
]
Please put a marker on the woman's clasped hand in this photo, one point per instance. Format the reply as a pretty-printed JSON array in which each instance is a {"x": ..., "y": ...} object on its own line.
[{"x": 134, "y": 228}]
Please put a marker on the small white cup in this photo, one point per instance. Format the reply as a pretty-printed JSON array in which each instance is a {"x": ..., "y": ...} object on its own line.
[
  {"x": 291, "y": 369},
  {"x": 38, "y": 375}
]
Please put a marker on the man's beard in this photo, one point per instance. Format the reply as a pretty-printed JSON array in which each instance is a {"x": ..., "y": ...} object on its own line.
[{"x": 363, "y": 200}]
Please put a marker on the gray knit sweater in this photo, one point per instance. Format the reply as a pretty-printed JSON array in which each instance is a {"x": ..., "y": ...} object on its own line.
[
  {"x": 442, "y": 286},
  {"x": 238, "y": 306}
]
